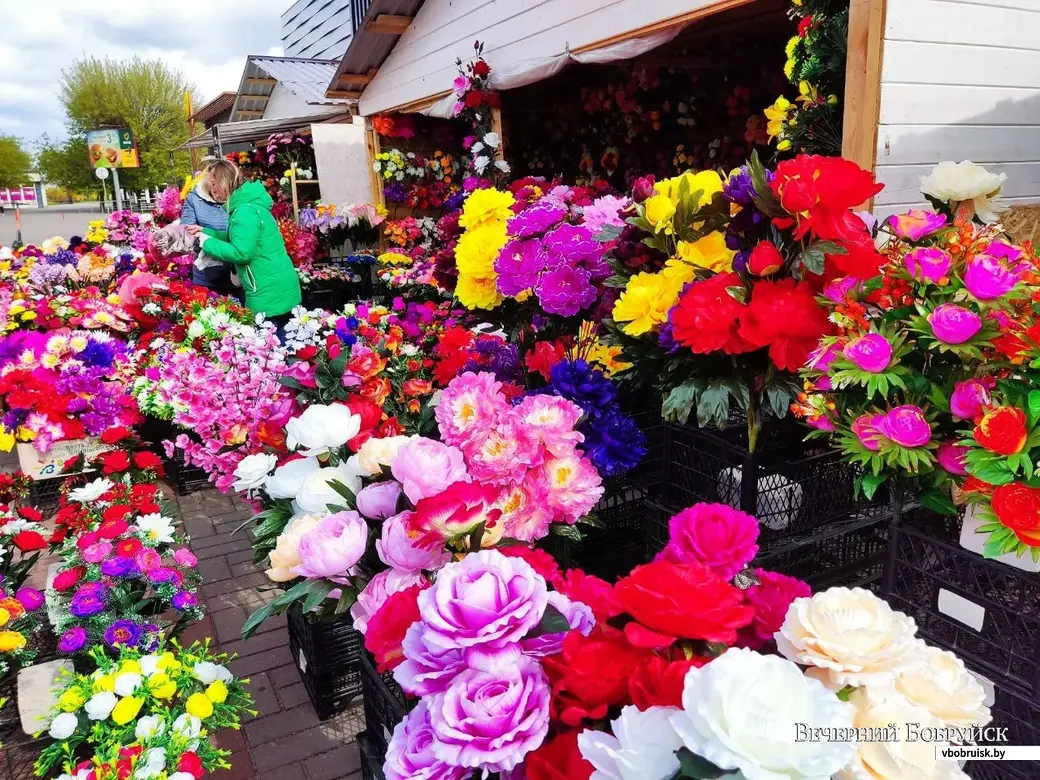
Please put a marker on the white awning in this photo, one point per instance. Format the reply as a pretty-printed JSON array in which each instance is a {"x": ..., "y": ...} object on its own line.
[
  {"x": 255, "y": 130},
  {"x": 523, "y": 43}
]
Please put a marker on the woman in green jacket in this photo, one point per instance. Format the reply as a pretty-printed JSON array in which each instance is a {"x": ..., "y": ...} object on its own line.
[{"x": 254, "y": 245}]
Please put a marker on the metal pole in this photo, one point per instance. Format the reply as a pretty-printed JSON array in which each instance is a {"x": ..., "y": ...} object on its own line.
[
  {"x": 104, "y": 199},
  {"x": 117, "y": 190}
]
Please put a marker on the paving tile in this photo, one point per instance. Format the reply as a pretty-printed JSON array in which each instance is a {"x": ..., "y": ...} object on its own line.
[
  {"x": 293, "y": 696},
  {"x": 294, "y": 772},
  {"x": 261, "y": 662},
  {"x": 198, "y": 528},
  {"x": 280, "y": 724},
  {"x": 257, "y": 644},
  {"x": 292, "y": 749},
  {"x": 284, "y": 676},
  {"x": 229, "y": 622},
  {"x": 214, "y": 570},
  {"x": 265, "y": 700},
  {"x": 231, "y": 585},
  {"x": 335, "y": 764},
  {"x": 230, "y": 739}
]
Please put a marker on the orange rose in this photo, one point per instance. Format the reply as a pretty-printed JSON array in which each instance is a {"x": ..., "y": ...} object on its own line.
[
  {"x": 366, "y": 365},
  {"x": 1002, "y": 430},
  {"x": 376, "y": 389},
  {"x": 1017, "y": 506},
  {"x": 413, "y": 387}
]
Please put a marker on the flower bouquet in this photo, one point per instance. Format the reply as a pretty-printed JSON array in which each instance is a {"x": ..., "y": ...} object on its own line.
[
  {"x": 474, "y": 102},
  {"x": 22, "y": 538},
  {"x": 146, "y": 715},
  {"x": 20, "y": 610}
]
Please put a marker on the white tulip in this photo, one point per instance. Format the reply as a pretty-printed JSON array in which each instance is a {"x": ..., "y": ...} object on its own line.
[
  {"x": 322, "y": 428},
  {"x": 287, "y": 479},
  {"x": 642, "y": 746},
  {"x": 100, "y": 705},
  {"x": 206, "y": 673},
  {"x": 187, "y": 726},
  {"x": 63, "y": 726},
  {"x": 251, "y": 472}
]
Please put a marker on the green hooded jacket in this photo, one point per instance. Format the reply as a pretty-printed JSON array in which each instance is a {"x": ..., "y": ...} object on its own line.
[{"x": 255, "y": 246}]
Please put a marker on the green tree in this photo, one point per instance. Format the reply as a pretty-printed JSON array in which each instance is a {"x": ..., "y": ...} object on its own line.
[
  {"x": 15, "y": 162},
  {"x": 144, "y": 95},
  {"x": 67, "y": 165}
]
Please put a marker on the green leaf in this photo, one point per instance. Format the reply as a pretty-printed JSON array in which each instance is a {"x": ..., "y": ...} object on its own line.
[
  {"x": 344, "y": 491},
  {"x": 608, "y": 233},
  {"x": 680, "y": 401},
  {"x": 813, "y": 260},
  {"x": 566, "y": 531},
  {"x": 339, "y": 365},
  {"x": 870, "y": 483},
  {"x": 254, "y": 621},
  {"x": 694, "y": 767},
  {"x": 476, "y": 537},
  {"x": 829, "y": 248},
  {"x": 713, "y": 405},
  {"x": 318, "y": 594},
  {"x": 553, "y": 622},
  {"x": 291, "y": 382},
  {"x": 938, "y": 502},
  {"x": 1034, "y": 406}
]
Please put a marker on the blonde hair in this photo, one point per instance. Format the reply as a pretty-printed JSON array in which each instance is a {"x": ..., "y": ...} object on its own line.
[{"x": 226, "y": 174}]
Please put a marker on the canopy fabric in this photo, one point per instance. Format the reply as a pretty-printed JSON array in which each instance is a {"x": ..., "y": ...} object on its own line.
[{"x": 254, "y": 130}]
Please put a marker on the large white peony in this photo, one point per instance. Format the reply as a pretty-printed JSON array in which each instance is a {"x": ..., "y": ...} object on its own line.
[
  {"x": 953, "y": 183},
  {"x": 322, "y": 428},
  {"x": 287, "y": 479},
  {"x": 642, "y": 746},
  {"x": 316, "y": 492},
  {"x": 943, "y": 686},
  {"x": 743, "y": 710},
  {"x": 376, "y": 453},
  {"x": 251, "y": 472},
  {"x": 851, "y": 634},
  {"x": 895, "y": 760}
]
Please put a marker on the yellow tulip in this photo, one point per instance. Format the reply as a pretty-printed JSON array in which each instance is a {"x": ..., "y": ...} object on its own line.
[
  {"x": 71, "y": 700},
  {"x": 129, "y": 667},
  {"x": 217, "y": 692},
  {"x": 126, "y": 710},
  {"x": 161, "y": 686},
  {"x": 199, "y": 705},
  {"x": 5, "y": 617}
]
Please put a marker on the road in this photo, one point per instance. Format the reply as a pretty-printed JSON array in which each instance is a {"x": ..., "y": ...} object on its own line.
[{"x": 40, "y": 224}]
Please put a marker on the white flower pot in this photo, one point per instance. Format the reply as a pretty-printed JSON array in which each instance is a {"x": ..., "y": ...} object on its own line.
[
  {"x": 779, "y": 499},
  {"x": 976, "y": 542}
]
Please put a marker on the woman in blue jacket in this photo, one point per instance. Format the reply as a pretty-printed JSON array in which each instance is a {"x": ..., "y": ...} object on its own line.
[{"x": 200, "y": 208}]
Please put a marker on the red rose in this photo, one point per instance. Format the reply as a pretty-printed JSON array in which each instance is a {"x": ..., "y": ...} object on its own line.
[
  {"x": 128, "y": 548},
  {"x": 68, "y": 579},
  {"x": 389, "y": 427},
  {"x": 1002, "y": 430},
  {"x": 473, "y": 98},
  {"x": 29, "y": 541},
  {"x": 668, "y": 601},
  {"x": 192, "y": 764},
  {"x": 765, "y": 259},
  {"x": 707, "y": 317},
  {"x": 1017, "y": 506},
  {"x": 540, "y": 561},
  {"x": 115, "y": 461},
  {"x": 481, "y": 68},
  {"x": 974, "y": 485},
  {"x": 771, "y": 599},
  {"x": 596, "y": 594},
  {"x": 307, "y": 353},
  {"x": 387, "y": 627},
  {"x": 116, "y": 435},
  {"x": 785, "y": 316},
  {"x": 369, "y": 412},
  {"x": 415, "y": 387},
  {"x": 590, "y": 674},
  {"x": 558, "y": 759},
  {"x": 147, "y": 460},
  {"x": 659, "y": 682},
  {"x": 117, "y": 512}
]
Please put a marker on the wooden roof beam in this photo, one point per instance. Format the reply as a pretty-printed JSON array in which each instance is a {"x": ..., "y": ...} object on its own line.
[
  {"x": 339, "y": 94},
  {"x": 262, "y": 82},
  {"x": 355, "y": 78},
  {"x": 249, "y": 112},
  {"x": 389, "y": 24}
]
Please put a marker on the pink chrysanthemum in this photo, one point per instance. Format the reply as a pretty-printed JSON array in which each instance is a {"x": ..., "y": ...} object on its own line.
[{"x": 573, "y": 486}]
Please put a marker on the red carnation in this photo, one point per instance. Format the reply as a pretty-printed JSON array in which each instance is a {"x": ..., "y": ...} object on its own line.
[
  {"x": 117, "y": 512},
  {"x": 29, "y": 541},
  {"x": 115, "y": 461},
  {"x": 387, "y": 627},
  {"x": 116, "y": 435},
  {"x": 707, "y": 317},
  {"x": 804, "y": 26},
  {"x": 784, "y": 316},
  {"x": 147, "y": 460},
  {"x": 68, "y": 579},
  {"x": 192, "y": 764},
  {"x": 659, "y": 682},
  {"x": 558, "y": 759},
  {"x": 669, "y": 601}
]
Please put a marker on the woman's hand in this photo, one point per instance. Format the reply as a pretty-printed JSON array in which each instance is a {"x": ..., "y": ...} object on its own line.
[{"x": 194, "y": 230}]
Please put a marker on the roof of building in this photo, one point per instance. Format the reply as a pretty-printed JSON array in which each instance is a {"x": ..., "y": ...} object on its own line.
[
  {"x": 305, "y": 78},
  {"x": 217, "y": 105}
]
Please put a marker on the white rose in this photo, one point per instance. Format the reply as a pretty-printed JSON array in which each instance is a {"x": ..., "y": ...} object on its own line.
[
  {"x": 481, "y": 163},
  {"x": 63, "y": 726},
  {"x": 92, "y": 491},
  {"x": 156, "y": 528},
  {"x": 953, "y": 183},
  {"x": 742, "y": 711},
  {"x": 492, "y": 139},
  {"x": 852, "y": 634},
  {"x": 942, "y": 685},
  {"x": 642, "y": 746},
  {"x": 207, "y": 673},
  {"x": 251, "y": 472},
  {"x": 899, "y": 760},
  {"x": 127, "y": 683},
  {"x": 149, "y": 726},
  {"x": 100, "y": 705},
  {"x": 376, "y": 453},
  {"x": 503, "y": 166},
  {"x": 316, "y": 492},
  {"x": 287, "y": 479},
  {"x": 187, "y": 726},
  {"x": 322, "y": 428},
  {"x": 151, "y": 764}
]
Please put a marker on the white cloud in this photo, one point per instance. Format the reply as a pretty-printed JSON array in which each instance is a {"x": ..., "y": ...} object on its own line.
[{"x": 207, "y": 40}]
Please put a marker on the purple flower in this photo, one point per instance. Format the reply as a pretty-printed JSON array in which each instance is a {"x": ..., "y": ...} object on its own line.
[
  {"x": 579, "y": 618},
  {"x": 426, "y": 669},
  {"x": 379, "y": 501},
  {"x": 953, "y": 324},
  {"x": 117, "y": 567},
  {"x": 987, "y": 278},
  {"x": 866, "y": 429},
  {"x": 643, "y": 188},
  {"x": 85, "y": 606},
  {"x": 122, "y": 633},
  {"x": 970, "y": 396},
  {"x": 92, "y": 589},
  {"x": 492, "y": 719},
  {"x": 73, "y": 640},
  {"x": 871, "y": 353},
  {"x": 571, "y": 241},
  {"x": 928, "y": 263},
  {"x": 566, "y": 291},
  {"x": 906, "y": 426},
  {"x": 518, "y": 266},
  {"x": 161, "y": 575},
  {"x": 951, "y": 456},
  {"x": 30, "y": 598},
  {"x": 183, "y": 600},
  {"x": 533, "y": 221},
  {"x": 409, "y": 756},
  {"x": 916, "y": 224}
]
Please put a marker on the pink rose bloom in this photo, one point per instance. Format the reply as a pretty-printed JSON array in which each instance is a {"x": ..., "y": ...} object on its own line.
[
  {"x": 460, "y": 84},
  {"x": 953, "y": 324},
  {"x": 397, "y": 548},
  {"x": 951, "y": 456},
  {"x": 970, "y": 396},
  {"x": 97, "y": 552},
  {"x": 379, "y": 501},
  {"x": 928, "y": 263},
  {"x": 501, "y": 455},
  {"x": 572, "y": 485},
  {"x": 409, "y": 754},
  {"x": 184, "y": 557},
  {"x": 871, "y": 353},
  {"x": 427, "y": 668},
  {"x": 333, "y": 547},
  {"x": 716, "y": 535},
  {"x": 837, "y": 290},
  {"x": 916, "y": 224},
  {"x": 525, "y": 512},
  {"x": 906, "y": 426},
  {"x": 771, "y": 599},
  {"x": 377, "y": 591},
  {"x": 549, "y": 420},
  {"x": 866, "y": 429},
  {"x": 148, "y": 560},
  {"x": 469, "y": 404},
  {"x": 987, "y": 278},
  {"x": 425, "y": 467}
]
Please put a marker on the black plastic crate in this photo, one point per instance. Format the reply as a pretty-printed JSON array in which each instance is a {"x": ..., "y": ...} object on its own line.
[
  {"x": 613, "y": 550},
  {"x": 44, "y": 494},
  {"x": 385, "y": 704},
  {"x": 327, "y": 657},
  {"x": 1020, "y": 714},
  {"x": 797, "y": 486},
  {"x": 371, "y": 758},
  {"x": 186, "y": 478},
  {"x": 986, "y": 612}
]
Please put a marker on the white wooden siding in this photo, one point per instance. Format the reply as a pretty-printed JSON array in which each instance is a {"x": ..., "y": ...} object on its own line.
[
  {"x": 960, "y": 81},
  {"x": 423, "y": 62}
]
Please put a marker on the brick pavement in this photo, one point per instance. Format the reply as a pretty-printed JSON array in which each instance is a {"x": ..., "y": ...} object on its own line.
[{"x": 285, "y": 740}]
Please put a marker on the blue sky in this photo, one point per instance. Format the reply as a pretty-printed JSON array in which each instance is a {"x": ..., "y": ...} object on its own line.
[{"x": 207, "y": 40}]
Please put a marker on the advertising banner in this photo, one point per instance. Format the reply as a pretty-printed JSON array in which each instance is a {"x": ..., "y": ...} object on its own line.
[{"x": 112, "y": 149}]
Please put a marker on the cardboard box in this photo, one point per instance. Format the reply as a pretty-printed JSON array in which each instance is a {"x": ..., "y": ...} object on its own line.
[{"x": 39, "y": 465}]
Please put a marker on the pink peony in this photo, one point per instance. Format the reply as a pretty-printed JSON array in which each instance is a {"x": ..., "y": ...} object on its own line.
[
  {"x": 928, "y": 263},
  {"x": 906, "y": 426},
  {"x": 871, "y": 352},
  {"x": 916, "y": 224},
  {"x": 525, "y": 513},
  {"x": 839, "y": 289},
  {"x": 471, "y": 403},
  {"x": 378, "y": 590},
  {"x": 951, "y": 456},
  {"x": 970, "y": 397},
  {"x": 333, "y": 547},
  {"x": 148, "y": 560},
  {"x": 97, "y": 552},
  {"x": 399, "y": 550},
  {"x": 771, "y": 599},
  {"x": 502, "y": 454},
  {"x": 425, "y": 467},
  {"x": 457, "y": 511},
  {"x": 953, "y": 324},
  {"x": 379, "y": 501},
  {"x": 987, "y": 278},
  {"x": 716, "y": 535},
  {"x": 549, "y": 420},
  {"x": 185, "y": 557},
  {"x": 572, "y": 485},
  {"x": 866, "y": 429}
]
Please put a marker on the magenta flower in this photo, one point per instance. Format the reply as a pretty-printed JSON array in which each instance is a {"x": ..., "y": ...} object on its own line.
[
  {"x": 951, "y": 456},
  {"x": 906, "y": 426},
  {"x": 820, "y": 359},
  {"x": 579, "y": 618},
  {"x": 397, "y": 549},
  {"x": 333, "y": 547},
  {"x": 771, "y": 599},
  {"x": 715, "y": 535},
  {"x": 970, "y": 397},
  {"x": 426, "y": 669},
  {"x": 822, "y": 423},
  {"x": 97, "y": 552},
  {"x": 953, "y": 324},
  {"x": 410, "y": 752},
  {"x": 565, "y": 290},
  {"x": 927, "y": 263},
  {"x": 185, "y": 557},
  {"x": 866, "y": 429},
  {"x": 916, "y": 224},
  {"x": 837, "y": 290},
  {"x": 987, "y": 278},
  {"x": 148, "y": 560},
  {"x": 30, "y": 598},
  {"x": 871, "y": 353},
  {"x": 379, "y": 501},
  {"x": 518, "y": 266}
]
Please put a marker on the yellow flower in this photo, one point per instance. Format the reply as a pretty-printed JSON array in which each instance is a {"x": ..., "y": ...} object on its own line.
[
  {"x": 777, "y": 116},
  {"x": 6, "y": 439},
  {"x": 486, "y": 206},
  {"x": 394, "y": 258},
  {"x": 709, "y": 252},
  {"x": 645, "y": 303},
  {"x": 106, "y": 682},
  {"x": 126, "y": 710},
  {"x": 659, "y": 210},
  {"x": 199, "y": 706},
  {"x": 217, "y": 692},
  {"x": 161, "y": 686},
  {"x": 784, "y": 145},
  {"x": 789, "y": 69},
  {"x": 679, "y": 270},
  {"x": 167, "y": 663},
  {"x": 476, "y": 292},
  {"x": 129, "y": 666},
  {"x": 72, "y": 699},
  {"x": 609, "y": 359},
  {"x": 705, "y": 182},
  {"x": 478, "y": 248},
  {"x": 5, "y": 617},
  {"x": 791, "y": 46}
]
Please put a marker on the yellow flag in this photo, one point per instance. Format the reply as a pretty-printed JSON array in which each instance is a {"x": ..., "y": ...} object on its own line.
[{"x": 187, "y": 103}]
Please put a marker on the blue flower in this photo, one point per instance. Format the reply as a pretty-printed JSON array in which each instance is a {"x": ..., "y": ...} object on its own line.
[
  {"x": 614, "y": 443},
  {"x": 586, "y": 386}
]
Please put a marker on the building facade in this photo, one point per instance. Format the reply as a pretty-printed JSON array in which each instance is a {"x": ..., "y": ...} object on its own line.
[{"x": 317, "y": 29}]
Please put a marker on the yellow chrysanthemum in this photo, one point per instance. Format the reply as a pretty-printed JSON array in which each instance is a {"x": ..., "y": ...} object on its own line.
[
  {"x": 394, "y": 258},
  {"x": 127, "y": 708},
  {"x": 217, "y": 692},
  {"x": 485, "y": 207},
  {"x": 659, "y": 210},
  {"x": 792, "y": 44},
  {"x": 645, "y": 302},
  {"x": 5, "y": 617},
  {"x": 609, "y": 358},
  {"x": 71, "y": 700},
  {"x": 476, "y": 292},
  {"x": 789, "y": 69},
  {"x": 709, "y": 252},
  {"x": 199, "y": 705},
  {"x": 478, "y": 248}
]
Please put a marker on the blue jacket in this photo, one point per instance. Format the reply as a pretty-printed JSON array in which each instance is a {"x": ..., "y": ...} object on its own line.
[{"x": 197, "y": 210}]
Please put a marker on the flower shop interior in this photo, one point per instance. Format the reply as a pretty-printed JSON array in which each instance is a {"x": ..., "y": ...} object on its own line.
[{"x": 658, "y": 402}]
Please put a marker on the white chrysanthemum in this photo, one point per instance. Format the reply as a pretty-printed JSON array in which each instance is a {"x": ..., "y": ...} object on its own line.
[
  {"x": 156, "y": 528},
  {"x": 92, "y": 491},
  {"x": 953, "y": 183}
]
